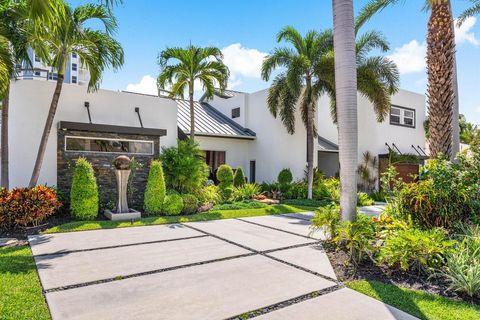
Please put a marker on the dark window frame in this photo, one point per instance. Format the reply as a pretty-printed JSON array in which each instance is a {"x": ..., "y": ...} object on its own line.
[
  {"x": 236, "y": 113},
  {"x": 74, "y": 79},
  {"x": 151, "y": 142},
  {"x": 401, "y": 116},
  {"x": 74, "y": 67}
]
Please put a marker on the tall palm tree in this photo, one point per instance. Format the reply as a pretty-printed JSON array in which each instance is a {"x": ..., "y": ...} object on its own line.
[
  {"x": 346, "y": 99},
  {"x": 378, "y": 77},
  {"x": 97, "y": 50},
  {"x": 298, "y": 84},
  {"x": 17, "y": 26},
  {"x": 442, "y": 89},
  {"x": 469, "y": 12},
  {"x": 180, "y": 68}
]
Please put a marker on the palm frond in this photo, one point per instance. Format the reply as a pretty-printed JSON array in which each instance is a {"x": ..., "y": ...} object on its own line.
[
  {"x": 90, "y": 11},
  {"x": 370, "y": 9},
  {"x": 291, "y": 35},
  {"x": 470, "y": 12},
  {"x": 280, "y": 57}
]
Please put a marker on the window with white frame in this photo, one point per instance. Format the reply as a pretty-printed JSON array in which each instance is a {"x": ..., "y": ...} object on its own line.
[
  {"x": 101, "y": 145},
  {"x": 74, "y": 67},
  {"x": 401, "y": 116},
  {"x": 74, "y": 79}
]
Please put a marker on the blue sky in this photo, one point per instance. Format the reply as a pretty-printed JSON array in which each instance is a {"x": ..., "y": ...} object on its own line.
[{"x": 245, "y": 30}]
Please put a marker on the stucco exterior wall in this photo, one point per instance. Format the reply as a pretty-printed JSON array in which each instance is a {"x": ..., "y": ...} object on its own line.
[{"x": 29, "y": 104}]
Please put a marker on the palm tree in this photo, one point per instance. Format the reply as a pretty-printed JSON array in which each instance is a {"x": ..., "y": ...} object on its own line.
[
  {"x": 297, "y": 85},
  {"x": 442, "y": 89},
  {"x": 378, "y": 78},
  {"x": 346, "y": 100},
  {"x": 470, "y": 12},
  {"x": 97, "y": 49},
  {"x": 180, "y": 68},
  {"x": 17, "y": 26}
]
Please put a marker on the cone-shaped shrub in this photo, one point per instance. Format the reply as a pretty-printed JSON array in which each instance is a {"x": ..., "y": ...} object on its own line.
[
  {"x": 285, "y": 176},
  {"x": 239, "y": 178},
  {"x": 84, "y": 192},
  {"x": 155, "y": 190},
  {"x": 225, "y": 179}
]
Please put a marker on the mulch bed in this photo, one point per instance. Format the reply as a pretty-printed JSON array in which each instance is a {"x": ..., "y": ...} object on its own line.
[{"x": 368, "y": 271}]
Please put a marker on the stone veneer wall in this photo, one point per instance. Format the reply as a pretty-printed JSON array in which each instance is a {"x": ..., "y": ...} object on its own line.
[{"x": 104, "y": 170}]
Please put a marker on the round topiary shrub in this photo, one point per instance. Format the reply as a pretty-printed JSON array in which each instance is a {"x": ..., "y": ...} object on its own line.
[
  {"x": 285, "y": 176},
  {"x": 190, "y": 204},
  {"x": 239, "y": 178},
  {"x": 84, "y": 192},
  {"x": 155, "y": 190},
  {"x": 225, "y": 174},
  {"x": 173, "y": 204}
]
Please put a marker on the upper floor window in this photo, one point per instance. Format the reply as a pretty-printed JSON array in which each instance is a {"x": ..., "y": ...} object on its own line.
[
  {"x": 74, "y": 55},
  {"x": 235, "y": 113},
  {"x": 74, "y": 79},
  {"x": 37, "y": 59},
  {"x": 74, "y": 67},
  {"x": 401, "y": 116}
]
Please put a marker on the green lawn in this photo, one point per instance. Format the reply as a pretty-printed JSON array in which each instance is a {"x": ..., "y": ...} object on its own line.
[
  {"x": 204, "y": 216},
  {"x": 417, "y": 303},
  {"x": 20, "y": 291}
]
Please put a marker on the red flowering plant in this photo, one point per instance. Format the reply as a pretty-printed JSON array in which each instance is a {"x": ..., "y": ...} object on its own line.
[{"x": 27, "y": 206}]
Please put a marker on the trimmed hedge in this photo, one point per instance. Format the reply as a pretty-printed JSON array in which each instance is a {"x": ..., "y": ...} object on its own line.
[
  {"x": 239, "y": 177},
  {"x": 225, "y": 177},
  {"x": 190, "y": 204},
  {"x": 84, "y": 192},
  {"x": 173, "y": 204},
  {"x": 155, "y": 190}
]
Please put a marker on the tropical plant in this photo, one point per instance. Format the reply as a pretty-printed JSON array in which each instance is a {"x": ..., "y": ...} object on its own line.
[
  {"x": 327, "y": 220},
  {"x": 366, "y": 172},
  {"x": 364, "y": 199},
  {"x": 173, "y": 204},
  {"x": 225, "y": 179},
  {"x": 468, "y": 130},
  {"x": 184, "y": 167},
  {"x": 239, "y": 177},
  {"x": 27, "y": 206},
  {"x": 247, "y": 192},
  {"x": 208, "y": 194},
  {"x": 68, "y": 33},
  {"x": 442, "y": 88},
  {"x": 180, "y": 68},
  {"x": 240, "y": 205},
  {"x": 18, "y": 22},
  {"x": 190, "y": 203},
  {"x": 155, "y": 189},
  {"x": 84, "y": 191}
]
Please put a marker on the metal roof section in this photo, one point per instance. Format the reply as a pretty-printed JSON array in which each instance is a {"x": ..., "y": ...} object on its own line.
[
  {"x": 326, "y": 145},
  {"x": 226, "y": 94},
  {"x": 210, "y": 122}
]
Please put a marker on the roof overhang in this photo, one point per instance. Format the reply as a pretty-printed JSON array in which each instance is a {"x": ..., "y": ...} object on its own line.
[
  {"x": 225, "y": 136},
  {"x": 106, "y": 128}
]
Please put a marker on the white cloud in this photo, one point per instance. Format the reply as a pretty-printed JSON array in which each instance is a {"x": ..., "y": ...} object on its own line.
[
  {"x": 477, "y": 109},
  {"x": 242, "y": 62},
  {"x": 147, "y": 85},
  {"x": 464, "y": 33},
  {"x": 410, "y": 58}
]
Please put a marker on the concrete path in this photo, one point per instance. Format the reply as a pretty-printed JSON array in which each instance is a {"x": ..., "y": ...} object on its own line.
[{"x": 266, "y": 267}]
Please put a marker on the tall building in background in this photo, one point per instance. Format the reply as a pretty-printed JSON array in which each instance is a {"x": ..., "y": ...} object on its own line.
[{"x": 75, "y": 73}]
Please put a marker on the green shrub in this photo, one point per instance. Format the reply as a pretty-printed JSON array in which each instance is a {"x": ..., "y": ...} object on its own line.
[
  {"x": 333, "y": 188},
  {"x": 208, "y": 194},
  {"x": 306, "y": 202},
  {"x": 270, "y": 190},
  {"x": 225, "y": 177},
  {"x": 364, "y": 200},
  {"x": 285, "y": 177},
  {"x": 462, "y": 269},
  {"x": 27, "y": 206},
  {"x": 184, "y": 167},
  {"x": 173, "y": 204},
  {"x": 296, "y": 190},
  {"x": 240, "y": 205},
  {"x": 190, "y": 204},
  {"x": 239, "y": 178},
  {"x": 155, "y": 190},
  {"x": 378, "y": 196},
  {"x": 84, "y": 192},
  {"x": 247, "y": 191},
  {"x": 415, "y": 249},
  {"x": 357, "y": 238},
  {"x": 327, "y": 220}
]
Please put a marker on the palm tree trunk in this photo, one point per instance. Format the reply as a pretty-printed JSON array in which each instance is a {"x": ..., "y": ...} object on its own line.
[
  {"x": 4, "y": 141},
  {"x": 310, "y": 140},
  {"x": 46, "y": 131},
  {"x": 456, "y": 103},
  {"x": 346, "y": 96},
  {"x": 192, "y": 116},
  {"x": 440, "y": 70}
]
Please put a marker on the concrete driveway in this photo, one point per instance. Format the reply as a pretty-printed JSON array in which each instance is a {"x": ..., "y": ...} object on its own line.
[{"x": 267, "y": 267}]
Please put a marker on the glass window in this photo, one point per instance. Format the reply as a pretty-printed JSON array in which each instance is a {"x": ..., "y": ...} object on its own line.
[
  {"x": 74, "y": 79},
  {"x": 74, "y": 55},
  {"x": 235, "y": 113},
  {"x": 74, "y": 66},
  {"x": 402, "y": 116},
  {"x": 37, "y": 73},
  {"x": 37, "y": 59},
  {"x": 83, "y": 144}
]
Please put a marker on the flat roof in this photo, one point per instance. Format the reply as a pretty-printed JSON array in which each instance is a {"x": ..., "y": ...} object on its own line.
[{"x": 96, "y": 127}]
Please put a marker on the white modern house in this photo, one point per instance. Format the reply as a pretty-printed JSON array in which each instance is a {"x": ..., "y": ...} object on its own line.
[{"x": 234, "y": 128}]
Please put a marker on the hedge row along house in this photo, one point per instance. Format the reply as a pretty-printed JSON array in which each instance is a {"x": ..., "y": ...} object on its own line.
[{"x": 233, "y": 128}]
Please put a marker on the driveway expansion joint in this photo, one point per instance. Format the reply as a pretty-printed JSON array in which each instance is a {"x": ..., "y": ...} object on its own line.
[
  {"x": 119, "y": 246},
  {"x": 274, "y": 228},
  {"x": 285, "y": 303}
]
